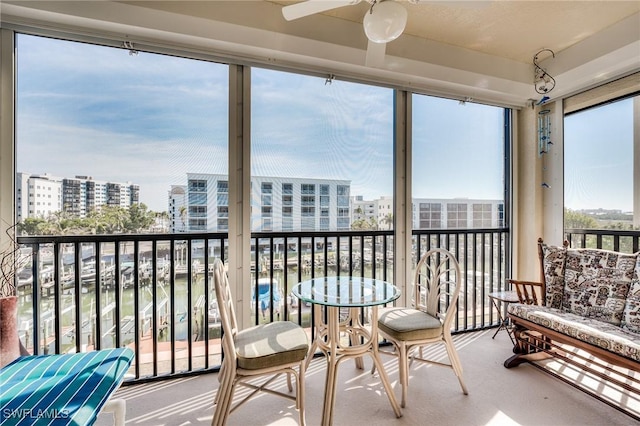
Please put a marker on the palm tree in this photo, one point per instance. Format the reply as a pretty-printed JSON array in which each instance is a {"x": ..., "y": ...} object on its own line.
[
  {"x": 183, "y": 217},
  {"x": 164, "y": 219},
  {"x": 388, "y": 220}
]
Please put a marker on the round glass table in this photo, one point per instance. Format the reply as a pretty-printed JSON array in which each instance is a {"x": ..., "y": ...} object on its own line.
[{"x": 342, "y": 299}]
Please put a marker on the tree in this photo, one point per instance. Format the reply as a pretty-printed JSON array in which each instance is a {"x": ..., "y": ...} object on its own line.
[
  {"x": 31, "y": 226},
  {"x": 139, "y": 218},
  {"x": 360, "y": 225},
  {"x": 388, "y": 220},
  {"x": 183, "y": 217},
  {"x": 107, "y": 220},
  {"x": 575, "y": 220},
  {"x": 163, "y": 216}
]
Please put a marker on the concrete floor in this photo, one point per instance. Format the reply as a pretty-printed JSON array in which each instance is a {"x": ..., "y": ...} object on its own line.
[{"x": 497, "y": 396}]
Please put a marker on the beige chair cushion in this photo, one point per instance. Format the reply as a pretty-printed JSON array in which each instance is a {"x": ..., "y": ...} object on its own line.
[
  {"x": 270, "y": 345},
  {"x": 408, "y": 324}
]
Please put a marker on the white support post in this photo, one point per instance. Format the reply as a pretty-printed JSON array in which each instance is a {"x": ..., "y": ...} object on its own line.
[
  {"x": 402, "y": 205},
  {"x": 239, "y": 190},
  {"x": 636, "y": 162}
]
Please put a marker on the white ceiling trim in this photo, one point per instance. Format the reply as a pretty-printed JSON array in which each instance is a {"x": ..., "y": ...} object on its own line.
[{"x": 430, "y": 67}]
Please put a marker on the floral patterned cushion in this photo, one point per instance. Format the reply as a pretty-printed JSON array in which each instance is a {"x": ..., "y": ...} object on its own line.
[
  {"x": 553, "y": 263},
  {"x": 631, "y": 313},
  {"x": 598, "y": 333},
  {"x": 597, "y": 283}
]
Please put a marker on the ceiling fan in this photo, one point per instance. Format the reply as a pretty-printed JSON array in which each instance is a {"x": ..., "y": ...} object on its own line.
[{"x": 384, "y": 21}]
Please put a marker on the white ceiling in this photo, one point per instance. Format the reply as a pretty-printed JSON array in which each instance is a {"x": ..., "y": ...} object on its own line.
[
  {"x": 481, "y": 50},
  {"x": 510, "y": 29}
]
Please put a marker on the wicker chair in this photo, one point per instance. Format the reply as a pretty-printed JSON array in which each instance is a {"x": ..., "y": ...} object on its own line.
[
  {"x": 264, "y": 350},
  {"x": 436, "y": 285}
]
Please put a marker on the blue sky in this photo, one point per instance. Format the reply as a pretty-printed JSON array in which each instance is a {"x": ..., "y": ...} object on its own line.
[
  {"x": 97, "y": 111},
  {"x": 150, "y": 119},
  {"x": 599, "y": 157}
]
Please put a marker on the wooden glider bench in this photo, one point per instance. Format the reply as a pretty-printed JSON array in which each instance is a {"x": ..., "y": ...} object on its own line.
[
  {"x": 63, "y": 389},
  {"x": 589, "y": 300}
]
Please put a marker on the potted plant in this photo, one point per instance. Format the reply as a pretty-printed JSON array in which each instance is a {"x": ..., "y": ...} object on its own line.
[{"x": 10, "y": 263}]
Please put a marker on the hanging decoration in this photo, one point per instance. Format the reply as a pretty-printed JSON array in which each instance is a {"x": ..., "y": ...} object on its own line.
[
  {"x": 544, "y": 131},
  {"x": 542, "y": 81}
]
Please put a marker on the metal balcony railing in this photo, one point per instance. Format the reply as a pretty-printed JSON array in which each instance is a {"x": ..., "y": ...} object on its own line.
[
  {"x": 607, "y": 239},
  {"x": 154, "y": 292}
]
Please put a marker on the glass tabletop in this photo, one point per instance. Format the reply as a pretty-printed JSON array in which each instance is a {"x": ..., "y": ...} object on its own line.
[{"x": 345, "y": 291}]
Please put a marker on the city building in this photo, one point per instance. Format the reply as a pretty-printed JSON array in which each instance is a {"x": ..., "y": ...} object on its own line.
[
  {"x": 365, "y": 210},
  {"x": 178, "y": 208},
  {"x": 37, "y": 195},
  {"x": 457, "y": 213},
  {"x": 385, "y": 212},
  {"x": 42, "y": 195},
  {"x": 277, "y": 204}
]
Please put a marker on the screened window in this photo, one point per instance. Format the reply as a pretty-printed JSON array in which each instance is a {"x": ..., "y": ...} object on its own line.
[
  {"x": 598, "y": 166},
  {"x": 308, "y": 189},
  {"x": 319, "y": 143},
  {"x": 198, "y": 211},
  {"x": 456, "y": 215},
  {"x": 124, "y": 128},
  {"x": 458, "y": 153},
  {"x": 343, "y": 195},
  {"x": 197, "y": 186},
  {"x": 482, "y": 215},
  {"x": 223, "y": 199},
  {"x": 430, "y": 215},
  {"x": 196, "y": 224},
  {"x": 197, "y": 198}
]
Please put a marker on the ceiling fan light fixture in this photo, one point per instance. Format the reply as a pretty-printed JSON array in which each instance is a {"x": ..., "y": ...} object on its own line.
[{"x": 385, "y": 21}]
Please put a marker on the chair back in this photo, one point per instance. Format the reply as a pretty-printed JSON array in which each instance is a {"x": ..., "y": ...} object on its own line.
[
  {"x": 527, "y": 291},
  {"x": 437, "y": 285},
  {"x": 225, "y": 307},
  {"x": 548, "y": 257}
]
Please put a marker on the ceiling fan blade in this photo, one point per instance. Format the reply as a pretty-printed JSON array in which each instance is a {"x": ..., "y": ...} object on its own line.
[
  {"x": 309, "y": 7},
  {"x": 375, "y": 54}
]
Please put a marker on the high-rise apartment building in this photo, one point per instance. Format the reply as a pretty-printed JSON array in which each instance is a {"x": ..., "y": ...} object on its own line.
[
  {"x": 178, "y": 208},
  {"x": 37, "y": 195},
  {"x": 42, "y": 195},
  {"x": 277, "y": 204}
]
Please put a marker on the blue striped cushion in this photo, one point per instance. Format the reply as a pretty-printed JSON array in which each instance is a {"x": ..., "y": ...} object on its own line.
[{"x": 61, "y": 389}]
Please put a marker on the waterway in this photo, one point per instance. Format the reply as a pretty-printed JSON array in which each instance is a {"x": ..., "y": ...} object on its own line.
[{"x": 165, "y": 302}]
